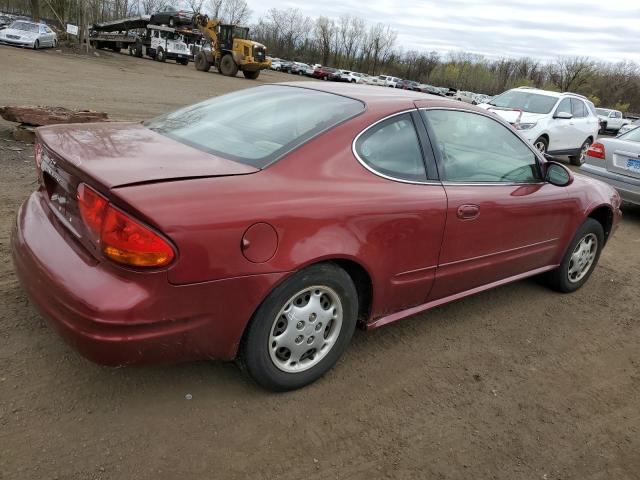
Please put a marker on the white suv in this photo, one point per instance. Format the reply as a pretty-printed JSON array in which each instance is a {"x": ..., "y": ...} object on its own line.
[
  {"x": 555, "y": 123},
  {"x": 387, "y": 81},
  {"x": 611, "y": 119}
]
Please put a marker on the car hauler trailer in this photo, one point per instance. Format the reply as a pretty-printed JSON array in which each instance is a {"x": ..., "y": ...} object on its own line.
[{"x": 143, "y": 39}]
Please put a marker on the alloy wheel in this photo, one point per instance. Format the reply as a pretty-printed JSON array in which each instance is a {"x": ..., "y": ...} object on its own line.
[
  {"x": 582, "y": 257},
  {"x": 305, "y": 329},
  {"x": 540, "y": 146}
]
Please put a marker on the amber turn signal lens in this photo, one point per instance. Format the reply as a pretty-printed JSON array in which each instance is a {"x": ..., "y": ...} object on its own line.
[{"x": 126, "y": 241}]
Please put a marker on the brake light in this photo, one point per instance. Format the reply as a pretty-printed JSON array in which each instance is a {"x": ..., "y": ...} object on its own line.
[
  {"x": 596, "y": 151},
  {"x": 93, "y": 207},
  {"x": 121, "y": 238}
]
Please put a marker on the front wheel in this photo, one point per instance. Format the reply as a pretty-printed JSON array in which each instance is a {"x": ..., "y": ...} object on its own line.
[
  {"x": 251, "y": 75},
  {"x": 228, "y": 66},
  {"x": 580, "y": 157},
  {"x": 302, "y": 328},
  {"x": 580, "y": 259},
  {"x": 36, "y": 45},
  {"x": 160, "y": 55}
]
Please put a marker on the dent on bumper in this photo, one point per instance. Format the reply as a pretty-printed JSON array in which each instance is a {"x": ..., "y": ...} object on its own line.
[{"x": 114, "y": 316}]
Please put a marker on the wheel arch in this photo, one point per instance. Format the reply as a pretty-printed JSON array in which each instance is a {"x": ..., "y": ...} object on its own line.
[{"x": 603, "y": 214}]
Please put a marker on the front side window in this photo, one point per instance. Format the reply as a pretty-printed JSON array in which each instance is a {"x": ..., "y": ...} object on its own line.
[
  {"x": 564, "y": 107},
  {"x": 392, "y": 148},
  {"x": 476, "y": 149},
  {"x": 257, "y": 125}
]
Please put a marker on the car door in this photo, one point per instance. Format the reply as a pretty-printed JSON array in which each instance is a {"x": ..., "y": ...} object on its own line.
[
  {"x": 581, "y": 120},
  {"x": 503, "y": 220},
  {"x": 563, "y": 135},
  {"x": 397, "y": 151}
]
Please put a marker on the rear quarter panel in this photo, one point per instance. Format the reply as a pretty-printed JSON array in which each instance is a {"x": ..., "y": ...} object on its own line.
[{"x": 322, "y": 204}]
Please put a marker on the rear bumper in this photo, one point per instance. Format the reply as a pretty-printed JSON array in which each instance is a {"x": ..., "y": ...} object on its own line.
[
  {"x": 116, "y": 317},
  {"x": 627, "y": 187}
]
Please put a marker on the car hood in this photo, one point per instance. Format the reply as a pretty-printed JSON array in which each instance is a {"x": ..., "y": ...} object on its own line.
[
  {"x": 118, "y": 154},
  {"x": 512, "y": 116},
  {"x": 20, "y": 33}
]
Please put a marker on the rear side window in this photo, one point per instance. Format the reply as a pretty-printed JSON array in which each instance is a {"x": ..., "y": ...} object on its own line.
[
  {"x": 578, "y": 108},
  {"x": 258, "y": 125},
  {"x": 392, "y": 148}
]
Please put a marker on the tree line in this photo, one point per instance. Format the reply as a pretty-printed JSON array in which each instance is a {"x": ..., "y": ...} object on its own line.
[{"x": 350, "y": 43}]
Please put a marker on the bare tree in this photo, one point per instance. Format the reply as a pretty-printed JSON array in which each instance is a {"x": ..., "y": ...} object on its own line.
[
  {"x": 235, "y": 12},
  {"x": 570, "y": 73},
  {"x": 324, "y": 33}
]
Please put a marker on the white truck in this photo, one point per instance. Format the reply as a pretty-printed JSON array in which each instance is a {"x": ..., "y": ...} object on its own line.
[
  {"x": 143, "y": 39},
  {"x": 611, "y": 120}
]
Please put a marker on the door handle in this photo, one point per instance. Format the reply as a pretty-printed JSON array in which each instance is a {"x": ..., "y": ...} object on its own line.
[{"x": 468, "y": 212}]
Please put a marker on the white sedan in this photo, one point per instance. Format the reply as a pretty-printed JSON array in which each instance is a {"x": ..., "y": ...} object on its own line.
[{"x": 29, "y": 34}]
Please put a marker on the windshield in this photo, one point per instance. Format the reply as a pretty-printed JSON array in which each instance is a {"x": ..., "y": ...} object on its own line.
[
  {"x": 256, "y": 126},
  {"x": 241, "y": 33},
  {"x": 525, "y": 101},
  {"x": 27, "y": 27},
  {"x": 602, "y": 111},
  {"x": 631, "y": 136}
]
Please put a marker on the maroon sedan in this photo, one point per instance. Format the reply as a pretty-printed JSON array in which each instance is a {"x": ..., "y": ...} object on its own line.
[{"x": 268, "y": 222}]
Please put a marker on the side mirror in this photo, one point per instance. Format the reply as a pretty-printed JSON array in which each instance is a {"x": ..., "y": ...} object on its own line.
[
  {"x": 557, "y": 174},
  {"x": 563, "y": 115}
]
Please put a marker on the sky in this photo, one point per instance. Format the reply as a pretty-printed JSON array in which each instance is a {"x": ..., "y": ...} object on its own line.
[{"x": 607, "y": 30}]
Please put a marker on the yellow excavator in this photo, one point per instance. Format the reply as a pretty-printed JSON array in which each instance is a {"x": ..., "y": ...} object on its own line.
[{"x": 228, "y": 48}]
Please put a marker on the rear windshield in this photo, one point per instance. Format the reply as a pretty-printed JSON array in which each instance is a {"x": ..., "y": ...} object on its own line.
[
  {"x": 256, "y": 126},
  {"x": 631, "y": 136},
  {"x": 525, "y": 101},
  {"x": 25, "y": 26}
]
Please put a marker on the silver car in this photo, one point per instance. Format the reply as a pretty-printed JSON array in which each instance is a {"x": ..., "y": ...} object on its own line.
[
  {"x": 628, "y": 127},
  {"x": 616, "y": 161},
  {"x": 29, "y": 34}
]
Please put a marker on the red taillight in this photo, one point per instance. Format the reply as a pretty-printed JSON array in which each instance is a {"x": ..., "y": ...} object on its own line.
[
  {"x": 93, "y": 207},
  {"x": 596, "y": 151},
  {"x": 121, "y": 238}
]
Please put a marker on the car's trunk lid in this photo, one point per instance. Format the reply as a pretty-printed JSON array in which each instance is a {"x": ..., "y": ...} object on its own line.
[
  {"x": 111, "y": 155},
  {"x": 622, "y": 156},
  {"x": 118, "y": 154}
]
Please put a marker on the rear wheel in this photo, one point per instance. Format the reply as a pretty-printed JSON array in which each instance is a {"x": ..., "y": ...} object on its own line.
[
  {"x": 160, "y": 55},
  {"x": 541, "y": 144},
  {"x": 302, "y": 328},
  {"x": 201, "y": 62},
  {"x": 580, "y": 259},
  {"x": 251, "y": 75},
  {"x": 228, "y": 66},
  {"x": 579, "y": 158}
]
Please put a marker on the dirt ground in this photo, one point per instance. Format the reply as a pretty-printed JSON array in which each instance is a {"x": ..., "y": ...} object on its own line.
[{"x": 515, "y": 383}]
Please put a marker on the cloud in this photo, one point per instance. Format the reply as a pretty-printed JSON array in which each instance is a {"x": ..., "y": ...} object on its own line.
[{"x": 606, "y": 31}]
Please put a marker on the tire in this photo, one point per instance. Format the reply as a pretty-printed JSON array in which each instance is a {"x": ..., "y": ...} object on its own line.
[
  {"x": 541, "y": 144},
  {"x": 36, "y": 45},
  {"x": 579, "y": 158},
  {"x": 251, "y": 75},
  {"x": 201, "y": 62},
  {"x": 603, "y": 128},
  {"x": 183, "y": 61},
  {"x": 160, "y": 55},
  {"x": 269, "y": 364},
  {"x": 228, "y": 66},
  {"x": 55, "y": 43},
  {"x": 559, "y": 279}
]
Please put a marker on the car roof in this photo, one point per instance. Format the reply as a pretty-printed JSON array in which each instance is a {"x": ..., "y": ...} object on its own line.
[{"x": 376, "y": 96}]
